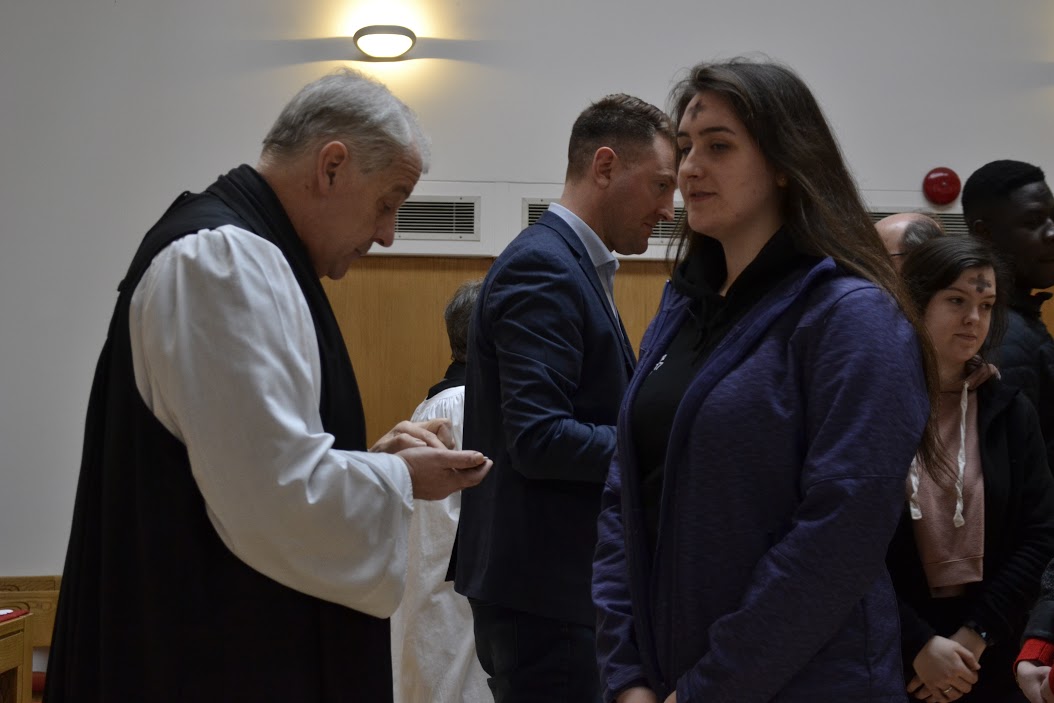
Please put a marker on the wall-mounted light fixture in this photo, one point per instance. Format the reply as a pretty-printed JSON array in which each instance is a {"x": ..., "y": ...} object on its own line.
[{"x": 384, "y": 42}]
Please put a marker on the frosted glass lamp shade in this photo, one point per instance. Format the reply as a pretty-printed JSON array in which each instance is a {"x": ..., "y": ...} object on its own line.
[{"x": 384, "y": 42}]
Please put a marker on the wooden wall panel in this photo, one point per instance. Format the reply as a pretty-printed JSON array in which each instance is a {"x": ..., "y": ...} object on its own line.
[
  {"x": 638, "y": 290},
  {"x": 391, "y": 312},
  {"x": 1048, "y": 313}
]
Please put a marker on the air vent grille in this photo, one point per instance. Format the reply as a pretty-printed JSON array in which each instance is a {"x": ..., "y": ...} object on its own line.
[
  {"x": 534, "y": 207},
  {"x": 454, "y": 218},
  {"x": 666, "y": 230},
  {"x": 952, "y": 222}
]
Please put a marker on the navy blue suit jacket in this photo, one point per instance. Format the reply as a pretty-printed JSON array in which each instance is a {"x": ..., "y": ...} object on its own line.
[{"x": 548, "y": 363}]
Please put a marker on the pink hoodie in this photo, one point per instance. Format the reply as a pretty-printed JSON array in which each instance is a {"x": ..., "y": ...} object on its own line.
[{"x": 949, "y": 518}]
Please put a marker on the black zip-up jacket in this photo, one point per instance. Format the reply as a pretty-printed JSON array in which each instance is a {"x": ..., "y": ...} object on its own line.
[
  {"x": 1018, "y": 534},
  {"x": 1026, "y": 360}
]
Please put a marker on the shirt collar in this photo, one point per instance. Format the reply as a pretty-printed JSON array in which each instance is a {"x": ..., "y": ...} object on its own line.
[{"x": 598, "y": 252}]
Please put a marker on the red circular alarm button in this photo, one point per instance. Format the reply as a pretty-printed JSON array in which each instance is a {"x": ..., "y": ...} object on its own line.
[{"x": 941, "y": 186}]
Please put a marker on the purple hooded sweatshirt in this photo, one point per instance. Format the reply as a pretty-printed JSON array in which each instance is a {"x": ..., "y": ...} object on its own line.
[{"x": 783, "y": 484}]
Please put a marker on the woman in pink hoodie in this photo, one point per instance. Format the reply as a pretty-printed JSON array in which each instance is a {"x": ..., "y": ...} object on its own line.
[{"x": 977, "y": 531}]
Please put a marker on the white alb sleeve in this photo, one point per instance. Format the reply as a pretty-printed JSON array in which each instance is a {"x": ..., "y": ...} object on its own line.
[
  {"x": 225, "y": 356},
  {"x": 449, "y": 404}
]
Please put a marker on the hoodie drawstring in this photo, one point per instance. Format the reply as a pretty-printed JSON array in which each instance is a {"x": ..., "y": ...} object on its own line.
[
  {"x": 964, "y": 402},
  {"x": 913, "y": 501},
  {"x": 913, "y": 472}
]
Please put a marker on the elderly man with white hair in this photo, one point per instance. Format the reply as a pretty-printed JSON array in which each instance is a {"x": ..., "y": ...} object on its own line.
[{"x": 232, "y": 538}]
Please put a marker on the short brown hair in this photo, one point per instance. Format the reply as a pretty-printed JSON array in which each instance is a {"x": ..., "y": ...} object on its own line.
[
  {"x": 622, "y": 122},
  {"x": 458, "y": 317}
]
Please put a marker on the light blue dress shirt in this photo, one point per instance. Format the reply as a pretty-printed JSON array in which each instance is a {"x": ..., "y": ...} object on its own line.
[{"x": 603, "y": 260}]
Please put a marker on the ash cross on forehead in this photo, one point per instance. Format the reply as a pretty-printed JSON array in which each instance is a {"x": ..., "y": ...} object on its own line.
[{"x": 980, "y": 282}]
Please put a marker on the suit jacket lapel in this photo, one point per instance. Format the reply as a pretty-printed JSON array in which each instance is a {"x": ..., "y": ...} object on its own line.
[
  {"x": 558, "y": 225},
  {"x": 627, "y": 347}
]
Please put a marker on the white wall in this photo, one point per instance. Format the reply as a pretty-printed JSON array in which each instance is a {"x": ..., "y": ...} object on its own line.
[{"x": 109, "y": 108}]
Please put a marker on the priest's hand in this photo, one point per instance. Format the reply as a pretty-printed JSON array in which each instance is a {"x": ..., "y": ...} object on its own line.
[
  {"x": 436, "y": 473},
  {"x": 434, "y": 433}
]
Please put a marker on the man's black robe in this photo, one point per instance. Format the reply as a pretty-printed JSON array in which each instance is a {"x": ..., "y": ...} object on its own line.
[{"x": 153, "y": 606}]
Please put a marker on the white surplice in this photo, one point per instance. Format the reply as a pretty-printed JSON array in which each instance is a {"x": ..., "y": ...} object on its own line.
[
  {"x": 433, "y": 649},
  {"x": 226, "y": 357}
]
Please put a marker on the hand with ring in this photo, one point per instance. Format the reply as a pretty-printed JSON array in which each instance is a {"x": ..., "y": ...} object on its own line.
[
  {"x": 934, "y": 695},
  {"x": 944, "y": 671}
]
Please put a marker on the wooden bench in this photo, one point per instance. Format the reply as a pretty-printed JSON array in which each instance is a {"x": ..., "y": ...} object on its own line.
[
  {"x": 39, "y": 595},
  {"x": 16, "y": 660}
]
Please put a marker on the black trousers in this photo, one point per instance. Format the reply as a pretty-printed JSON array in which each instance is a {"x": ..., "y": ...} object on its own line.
[{"x": 532, "y": 659}]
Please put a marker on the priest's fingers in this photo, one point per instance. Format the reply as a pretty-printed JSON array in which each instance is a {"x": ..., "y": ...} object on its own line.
[
  {"x": 433, "y": 433},
  {"x": 439, "y": 429},
  {"x": 408, "y": 434},
  {"x": 474, "y": 474},
  {"x": 393, "y": 443},
  {"x": 436, "y": 473}
]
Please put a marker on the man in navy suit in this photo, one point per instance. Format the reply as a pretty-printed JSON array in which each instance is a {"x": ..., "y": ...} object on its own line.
[{"x": 548, "y": 364}]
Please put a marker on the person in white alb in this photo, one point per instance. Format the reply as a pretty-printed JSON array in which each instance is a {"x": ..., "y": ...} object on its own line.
[
  {"x": 433, "y": 651},
  {"x": 231, "y": 538}
]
